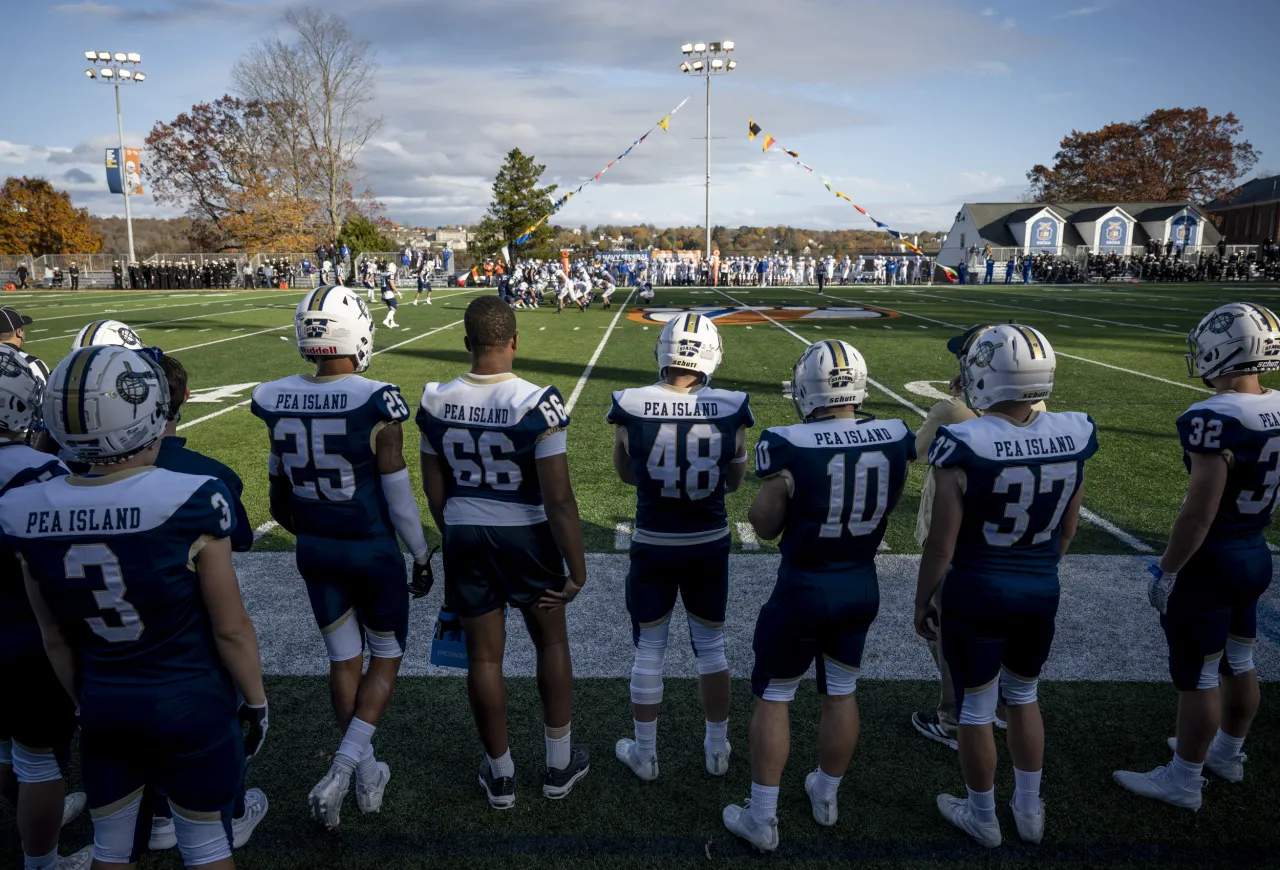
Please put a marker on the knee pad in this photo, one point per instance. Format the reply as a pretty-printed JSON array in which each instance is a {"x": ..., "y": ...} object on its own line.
[
  {"x": 839, "y": 679},
  {"x": 978, "y": 706},
  {"x": 202, "y": 837},
  {"x": 383, "y": 644},
  {"x": 708, "y": 647},
  {"x": 343, "y": 639},
  {"x": 1017, "y": 691},
  {"x": 781, "y": 690},
  {"x": 6, "y": 752},
  {"x": 35, "y": 765},
  {"x": 114, "y": 828},
  {"x": 646, "y": 672},
  {"x": 1239, "y": 655}
]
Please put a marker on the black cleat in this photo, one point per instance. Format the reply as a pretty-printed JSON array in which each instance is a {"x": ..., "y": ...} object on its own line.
[
  {"x": 557, "y": 782},
  {"x": 501, "y": 790}
]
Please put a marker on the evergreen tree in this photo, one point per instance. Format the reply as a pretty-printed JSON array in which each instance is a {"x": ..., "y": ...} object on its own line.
[{"x": 518, "y": 203}]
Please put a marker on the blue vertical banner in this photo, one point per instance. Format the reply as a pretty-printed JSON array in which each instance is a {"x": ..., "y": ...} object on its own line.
[
  {"x": 1044, "y": 233},
  {"x": 115, "y": 181},
  {"x": 1185, "y": 231},
  {"x": 1113, "y": 235}
]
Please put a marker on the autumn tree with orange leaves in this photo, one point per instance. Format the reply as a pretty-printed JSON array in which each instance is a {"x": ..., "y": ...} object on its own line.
[
  {"x": 1171, "y": 154},
  {"x": 37, "y": 219}
]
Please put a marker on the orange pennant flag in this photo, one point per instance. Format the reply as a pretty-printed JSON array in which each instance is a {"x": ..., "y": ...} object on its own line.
[{"x": 768, "y": 141}]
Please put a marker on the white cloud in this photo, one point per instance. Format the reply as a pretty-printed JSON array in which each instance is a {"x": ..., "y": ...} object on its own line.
[
  {"x": 1081, "y": 11},
  {"x": 981, "y": 180},
  {"x": 1008, "y": 24},
  {"x": 988, "y": 12}
]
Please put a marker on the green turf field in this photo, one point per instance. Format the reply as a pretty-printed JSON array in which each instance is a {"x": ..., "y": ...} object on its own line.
[{"x": 1120, "y": 359}]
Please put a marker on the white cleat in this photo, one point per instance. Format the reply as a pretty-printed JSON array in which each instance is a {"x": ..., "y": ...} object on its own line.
[
  {"x": 1230, "y": 769},
  {"x": 629, "y": 754},
  {"x": 72, "y": 806},
  {"x": 369, "y": 797},
  {"x": 824, "y": 809},
  {"x": 958, "y": 812},
  {"x": 79, "y": 861},
  {"x": 163, "y": 834},
  {"x": 1030, "y": 827},
  {"x": 255, "y": 810},
  {"x": 738, "y": 820},
  {"x": 718, "y": 759},
  {"x": 1159, "y": 784},
  {"x": 327, "y": 796}
]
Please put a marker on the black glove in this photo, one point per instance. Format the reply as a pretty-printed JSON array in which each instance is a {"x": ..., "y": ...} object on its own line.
[
  {"x": 255, "y": 720},
  {"x": 423, "y": 579}
]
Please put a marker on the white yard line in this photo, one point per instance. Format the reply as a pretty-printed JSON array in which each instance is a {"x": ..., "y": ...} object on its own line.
[
  {"x": 622, "y": 536},
  {"x": 591, "y": 363},
  {"x": 1054, "y": 313},
  {"x": 263, "y": 529},
  {"x": 1107, "y": 526},
  {"x": 747, "y": 536},
  {"x": 223, "y": 301},
  {"x": 1094, "y": 362},
  {"x": 230, "y": 338}
]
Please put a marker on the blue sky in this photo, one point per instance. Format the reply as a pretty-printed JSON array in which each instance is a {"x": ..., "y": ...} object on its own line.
[{"x": 912, "y": 107}]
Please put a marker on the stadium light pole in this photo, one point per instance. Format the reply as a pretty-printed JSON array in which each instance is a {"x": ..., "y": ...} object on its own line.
[
  {"x": 111, "y": 69},
  {"x": 707, "y": 59}
]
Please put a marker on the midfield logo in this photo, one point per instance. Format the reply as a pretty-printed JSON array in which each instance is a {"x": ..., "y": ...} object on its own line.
[{"x": 756, "y": 315}]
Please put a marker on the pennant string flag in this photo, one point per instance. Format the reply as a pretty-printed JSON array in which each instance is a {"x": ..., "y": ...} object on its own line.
[
  {"x": 665, "y": 124},
  {"x": 754, "y": 130}
]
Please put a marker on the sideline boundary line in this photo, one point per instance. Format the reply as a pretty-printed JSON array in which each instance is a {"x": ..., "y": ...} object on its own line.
[{"x": 595, "y": 357}]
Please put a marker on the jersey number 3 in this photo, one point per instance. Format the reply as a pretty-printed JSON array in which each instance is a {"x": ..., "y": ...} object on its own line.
[{"x": 99, "y": 556}]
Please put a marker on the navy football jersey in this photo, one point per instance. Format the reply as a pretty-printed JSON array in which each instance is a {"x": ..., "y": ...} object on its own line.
[
  {"x": 491, "y": 430},
  {"x": 115, "y": 560},
  {"x": 1017, "y": 481},
  {"x": 322, "y": 437},
  {"x": 1246, "y": 428},
  {"x": 19, "y": 466},
  {"x": 681, "y": 443},
  {"x": 845, "y": 477}
]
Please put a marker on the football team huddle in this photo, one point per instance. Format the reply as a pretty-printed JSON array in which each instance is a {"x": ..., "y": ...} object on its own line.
[{"x": 122, "y": 614}]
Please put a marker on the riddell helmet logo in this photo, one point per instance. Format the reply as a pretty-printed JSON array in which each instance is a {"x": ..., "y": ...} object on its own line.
[{"x": 323, "y": 351}]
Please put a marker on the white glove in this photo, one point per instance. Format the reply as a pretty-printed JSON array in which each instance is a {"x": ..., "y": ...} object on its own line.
[{"x": 1160, "y": 586}]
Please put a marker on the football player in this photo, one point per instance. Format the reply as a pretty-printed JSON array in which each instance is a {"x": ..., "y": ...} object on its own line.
[
  {"x": 339, "y": 482},
  {"x": 106, "y": 332},
  {"x": 424, "y": 281},
  {"x": 1008, "y": 487},
  {"x": 37, "y": 724},
  {"x": 1217, "y": 564},
  {"x": 129, "y": 574},
  {"x": 683, "y": 446},
  {"x": 13, "y": 333},
  {"x": 830, "y": 484},
  {"x": 940, "y": 724},
  {"x": 607, "y": 288},
  {"x": 390, "y": 293},
  {"x": 497, "y": 481}
]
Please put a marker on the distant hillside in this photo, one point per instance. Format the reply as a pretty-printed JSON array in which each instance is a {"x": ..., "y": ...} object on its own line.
[{"x": 150, "y": 235}]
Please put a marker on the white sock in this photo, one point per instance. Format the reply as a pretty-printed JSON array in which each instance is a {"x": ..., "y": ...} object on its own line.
[
  {"x": 983, "y": 804},
  {"x": 646, "y": 738},
  {"x": 1226, "y": 746},
  {"x": 557, "y": 751},
  {"x": 717, "y": 739},
  {"x": 503, "y": 766},
  {"x": 1026, "y": 793},
  {"x": 825, "y": 784},
  {"x": 354, "y": 743},
  {"x": 44, "y": 862},
  {"x": 764, "y": 803},
  {"x": 1185, "y": 773},
  {"x": 367, "y": 768}
]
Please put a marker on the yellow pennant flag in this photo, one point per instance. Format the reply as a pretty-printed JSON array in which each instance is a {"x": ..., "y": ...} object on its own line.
[{"x": 664, "y": 122}]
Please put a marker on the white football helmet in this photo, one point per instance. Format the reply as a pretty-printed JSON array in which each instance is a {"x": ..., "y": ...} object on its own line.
[
  {"x": 829, "y": 374},
  {"x": 1238, "y": 338},
  {"x": 106, "y": 332},
  {"x": 21, "y": 392},
  {"x": 106, "y": 404},
  {"x": 332, "y": 321},
  {"x": 689, "y": 341},
  {"x": 1007, "y": 362}
]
